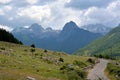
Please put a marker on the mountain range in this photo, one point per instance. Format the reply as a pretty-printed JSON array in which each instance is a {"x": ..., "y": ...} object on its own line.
[
  {"x": 97, "y": 28},
  {"x": 69, "y": 39},
  {"x": 108, "y": 44}
]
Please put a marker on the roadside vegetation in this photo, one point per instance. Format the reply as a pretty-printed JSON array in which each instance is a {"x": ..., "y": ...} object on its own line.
[
  {"x": 105, "y": 56},
  {"x": 113, "y": 70}
]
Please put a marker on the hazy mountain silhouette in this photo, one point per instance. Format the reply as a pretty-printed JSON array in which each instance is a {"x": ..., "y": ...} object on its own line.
[
  {"x": 69, "y": 39},
  {"x": 97, "y": 28}
]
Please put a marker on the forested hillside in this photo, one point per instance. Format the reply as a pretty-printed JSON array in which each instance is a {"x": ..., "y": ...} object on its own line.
[
  {"x": 109, "y": 45},
  {"x": 8, "y": 37}
]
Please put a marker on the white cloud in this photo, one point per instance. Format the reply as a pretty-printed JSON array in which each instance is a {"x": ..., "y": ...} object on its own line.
[
  {"x": 95, "y": 15},
  {"x": 5, "y": 1},
  {"x": 11, "y": 18},
  {"x": 60, "y": 15},
  {"x": 6, "y": 28},
  {"x": 1, "y": 12},
  {"x": 5, "y": 9},
  {"x": 32, "y": 1},
  {"x": 54, "y": 13},
  {"x": 85, "y": 4},
  {"x": 35, "y": 12},
  {"x": 108, "y": 16},
  {"x": 114, "y": 8}
]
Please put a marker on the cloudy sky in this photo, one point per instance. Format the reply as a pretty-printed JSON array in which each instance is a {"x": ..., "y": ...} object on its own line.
[{"x": 55, "y": 13}]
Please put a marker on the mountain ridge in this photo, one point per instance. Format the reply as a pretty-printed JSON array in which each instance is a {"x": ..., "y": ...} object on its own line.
[
  {"x": 97, "y": 28},
  {"x": 69, "y": 39},
  {"x": 108, "y": 44}
]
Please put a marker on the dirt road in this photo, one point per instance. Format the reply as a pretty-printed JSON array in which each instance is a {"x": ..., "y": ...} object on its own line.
[{"x": 98, "y": 71}]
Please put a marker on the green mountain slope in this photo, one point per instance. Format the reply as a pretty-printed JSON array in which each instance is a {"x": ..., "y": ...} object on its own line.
[
  {"x": 109, "y": 44},
  {"x": 8, "y": 37},
  {"x": 19, "y": 62}
]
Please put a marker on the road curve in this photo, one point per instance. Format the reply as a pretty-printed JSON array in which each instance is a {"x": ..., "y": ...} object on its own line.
[{"x": 98, "y": 71}]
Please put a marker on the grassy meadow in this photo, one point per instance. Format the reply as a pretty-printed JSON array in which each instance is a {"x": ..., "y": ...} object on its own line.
[{"x": 17, "y": 62}]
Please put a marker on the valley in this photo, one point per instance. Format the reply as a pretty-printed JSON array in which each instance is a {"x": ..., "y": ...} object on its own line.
[
  {"x": 108, "y": 45},
  {"x": 59, "y": 39},
  {"x": 18, "y": 63},
  {"x": 21, "y": 62}
]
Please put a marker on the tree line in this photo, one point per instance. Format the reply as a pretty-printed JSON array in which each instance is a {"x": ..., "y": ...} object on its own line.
[{"x": 8, "y": 37}]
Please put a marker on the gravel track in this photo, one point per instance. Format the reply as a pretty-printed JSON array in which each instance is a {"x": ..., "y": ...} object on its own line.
[{"x": 98, "y": 71}]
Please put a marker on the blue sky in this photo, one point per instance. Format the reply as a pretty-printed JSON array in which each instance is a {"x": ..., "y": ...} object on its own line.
[{"x": 55, "y": 13}]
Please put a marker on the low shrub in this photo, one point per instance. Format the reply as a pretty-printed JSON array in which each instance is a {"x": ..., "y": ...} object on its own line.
[
  {"x": 114, "y": 70},
  {"x": 2, "y": 48},
  {"x": 61, "y": 59},
  {"x": 72, "y": 73},
  {"x": 79, "y": 63},
  {"x": 90, "y": 60}
]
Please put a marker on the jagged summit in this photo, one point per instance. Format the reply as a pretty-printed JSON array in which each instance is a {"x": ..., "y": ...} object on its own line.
[
  {"x": 36, "y": 27},
  {"x": 70, "y": 26}
]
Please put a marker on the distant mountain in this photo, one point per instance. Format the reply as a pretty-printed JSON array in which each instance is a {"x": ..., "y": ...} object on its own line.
[
  {"x": 67, "y": 40},
  {"x": 109, "y": 44},
  {"x": 8, "y": 37},
  {"x": 34, "y": 34},
  {"x": 97, "y": 28},
  {"x": 74, "y": 37}
]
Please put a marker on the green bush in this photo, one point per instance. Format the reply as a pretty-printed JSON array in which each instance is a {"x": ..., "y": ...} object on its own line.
[
  {"x": 104, "y": 56},
  {"x": 61, "y": 59},
  {"x": 66, "y": 68},
  {"x": 72, "y": 73},
  {"x": 79, "y": 63},
  {"x": 45, "y": 51},
  {"x": 114, "y": 70},
  {"x": 2, "y": 48},
  {"x": 90, "y": 60},
  {"x": 73, "y": 76},
  {"x": 80, "y": 73},
  {"x": 76, "y": 75}
]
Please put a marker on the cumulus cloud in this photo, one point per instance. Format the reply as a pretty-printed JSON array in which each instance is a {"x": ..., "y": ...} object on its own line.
[
  {"x": 84, "y": 4},
  {"x": 32, "y": 1},
  {"x": 25, "y": 3},
  {"x": 1, "y": 12},
  {"x": 18, "y": 4},
  {"x": 55, "y": 13},
  {"x": 35, "y": 12},
  {"x": 5, "y": 1},
  {"x": 60, "y": 15},
  {"x": 108, "y": 16},
  {"x": 5, "y": 9},
  {"x": 6, "y": 28},
  {"x": 43, "y": 2}
]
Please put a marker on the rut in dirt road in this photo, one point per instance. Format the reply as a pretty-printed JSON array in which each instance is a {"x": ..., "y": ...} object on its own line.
[{"x": 98, "y": 71}]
